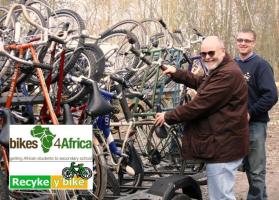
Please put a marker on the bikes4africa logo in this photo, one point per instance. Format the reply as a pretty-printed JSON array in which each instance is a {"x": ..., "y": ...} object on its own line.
[
  {"x": 59, "y": 155},
  {"x": 47, "y": 139}
]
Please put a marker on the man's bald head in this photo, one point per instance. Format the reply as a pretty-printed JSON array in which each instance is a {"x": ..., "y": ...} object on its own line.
[
  {"x": 213, "y": 41},
  {"x": 212, "y": 51}
]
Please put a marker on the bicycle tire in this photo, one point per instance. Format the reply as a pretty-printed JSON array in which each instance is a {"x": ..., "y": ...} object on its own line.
[
  {"x": 98, "y": 71},
  {"x": 42, "y": 6},
  {"x": 154, "y": 27},
  {"x": 112, "y": 183},
  {"x": 132, "y": 26},
  {"x": 85, "y": 58},
  {"x": 3, "y": 59},
  {"x": 75, "y": 22},
  {"x": 100, "y": 179},
  {"x": 67, "y": 173},
  {"x": 121, "y": 57},
  {"x": 88, "y": 61},
  {"x": 3, "y": 12},
  {"x": 40, "y": 18},
  {"x": 27, "y": 31}
]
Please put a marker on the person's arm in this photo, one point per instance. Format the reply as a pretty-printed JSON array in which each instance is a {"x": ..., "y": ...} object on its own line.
[
  {"x": 267, "y": 90},
  {"x": 183, "y": 76},
  {"x": 212, "y": 97}
]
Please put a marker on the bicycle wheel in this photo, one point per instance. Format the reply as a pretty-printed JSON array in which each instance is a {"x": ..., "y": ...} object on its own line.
[
  {"x": 158, "y": 35},
  {"x": 98, "y": 71},
  {"x": 116, "y": 47},
  {"x": 12, "y": 34},
  {"x": 112, "y": 184},
  {"x": 42, "y": 6},
  {"x": 164, "y": 152},
  {"x": 86, "y": 64},
  {"x": 72, "y": 22},
  {"x": 133, "y": 26},
  {"x": 27, "y": 29},
  {"x": 99, "y": 173}
]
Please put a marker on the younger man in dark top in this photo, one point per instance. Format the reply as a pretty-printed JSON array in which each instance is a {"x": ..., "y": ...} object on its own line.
[{"x": 262, "y": 95}]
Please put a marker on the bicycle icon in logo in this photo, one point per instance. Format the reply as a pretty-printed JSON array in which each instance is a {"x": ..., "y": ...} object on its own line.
[{"x": 78, "y": 170}]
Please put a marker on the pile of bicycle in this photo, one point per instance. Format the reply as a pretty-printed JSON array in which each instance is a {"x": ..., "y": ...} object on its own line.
[{"x": 53, "y": 72}]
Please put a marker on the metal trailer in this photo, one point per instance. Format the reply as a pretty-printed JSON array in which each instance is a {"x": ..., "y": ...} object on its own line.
[{"x": 174, "y": 187}]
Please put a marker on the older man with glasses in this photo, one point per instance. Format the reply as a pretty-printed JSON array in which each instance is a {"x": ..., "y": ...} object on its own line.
[
  {"x": 216, "y": 124},
  {"x": 262, "y": 96}
]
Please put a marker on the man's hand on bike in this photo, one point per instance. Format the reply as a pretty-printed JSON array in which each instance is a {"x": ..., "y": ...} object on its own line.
[
  {"x": 160, "y": 119},
  {"x": 168, "y": 69}
]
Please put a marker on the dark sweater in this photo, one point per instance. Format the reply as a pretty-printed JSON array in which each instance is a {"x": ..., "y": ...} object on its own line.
[{"x": 262, "y": 91}]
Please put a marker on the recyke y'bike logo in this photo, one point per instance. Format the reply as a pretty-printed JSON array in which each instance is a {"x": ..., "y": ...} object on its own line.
[{"x": 48, "y": 140}]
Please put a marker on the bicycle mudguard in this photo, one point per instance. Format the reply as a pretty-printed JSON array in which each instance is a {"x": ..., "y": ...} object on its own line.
[
  {"x": 166, "y": 187},
  {"x": 134, "y": 161}
]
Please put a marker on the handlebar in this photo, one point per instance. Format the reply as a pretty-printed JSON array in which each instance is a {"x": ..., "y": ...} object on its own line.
[
  {"x": 29, "y": 63},
  {"x": 132, "y": 41},
  {"x": 161, "y": 21},
  {"x": 25, "y": 62},
  {"x": 25, "y": 14},
  {"x": 198, "y": 33},
  {"x": 140, "y": 55}
]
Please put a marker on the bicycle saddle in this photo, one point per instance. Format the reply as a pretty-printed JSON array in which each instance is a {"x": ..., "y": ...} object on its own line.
[
  {"x": 5, "y": 132},
  {"x": 67, "y": 115},
  {"x": 97, "y": 104}
]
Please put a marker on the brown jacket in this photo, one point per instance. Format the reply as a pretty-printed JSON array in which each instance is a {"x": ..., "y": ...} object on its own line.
[{"x": 217, "y": 125}]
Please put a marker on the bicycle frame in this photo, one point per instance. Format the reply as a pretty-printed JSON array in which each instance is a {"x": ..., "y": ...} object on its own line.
[
  {"x": 44, "y": 115},
  {"x": 22, "y": 48}
]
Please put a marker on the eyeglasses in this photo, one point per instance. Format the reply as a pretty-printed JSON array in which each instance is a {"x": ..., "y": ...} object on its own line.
[
  {"x": 240, "y": 40},
  {"x": 209, "y": 53}
]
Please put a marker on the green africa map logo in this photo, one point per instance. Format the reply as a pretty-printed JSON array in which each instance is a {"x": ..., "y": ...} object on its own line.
[{"x": 45, "y": 135}]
